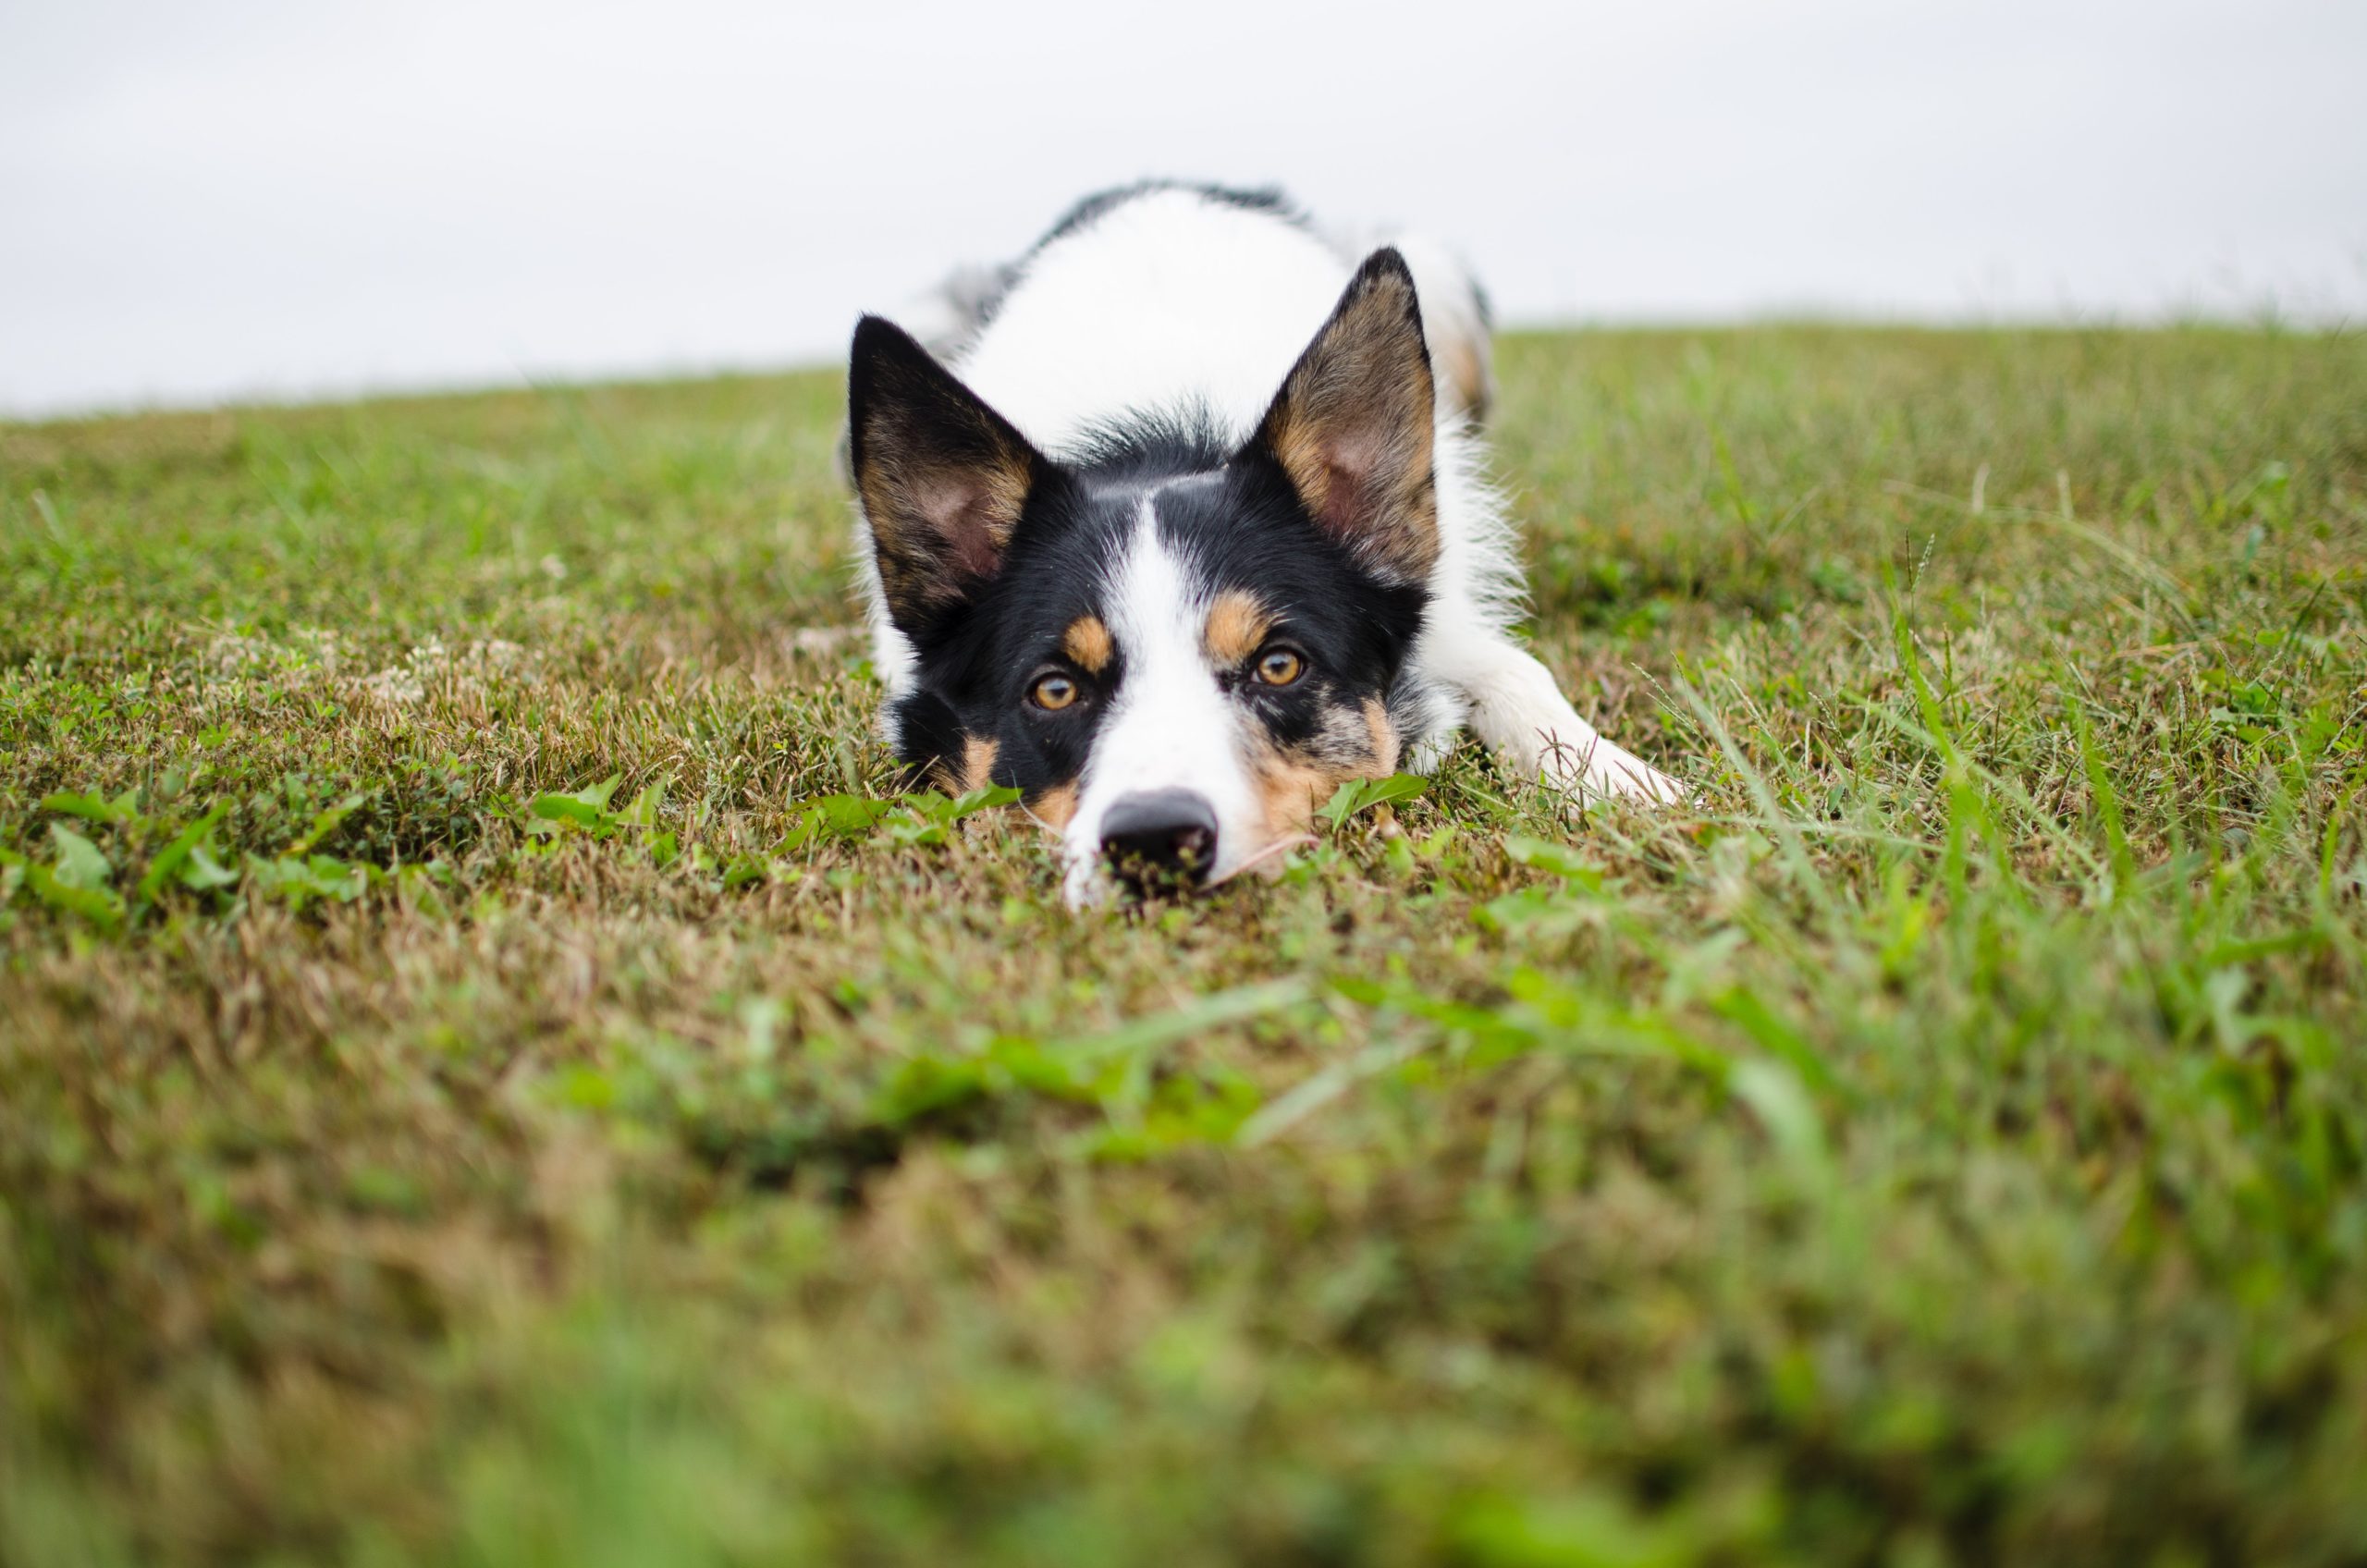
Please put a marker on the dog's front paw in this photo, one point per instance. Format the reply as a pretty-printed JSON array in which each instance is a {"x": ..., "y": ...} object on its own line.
[{"x": 1604, "y": 772}]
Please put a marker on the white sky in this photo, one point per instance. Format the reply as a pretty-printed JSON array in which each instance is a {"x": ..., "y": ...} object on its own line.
[{"x": 201, "y": 201}]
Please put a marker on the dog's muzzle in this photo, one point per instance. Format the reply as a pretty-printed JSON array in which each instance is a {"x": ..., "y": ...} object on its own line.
[{"x": 1157, "y": 839}]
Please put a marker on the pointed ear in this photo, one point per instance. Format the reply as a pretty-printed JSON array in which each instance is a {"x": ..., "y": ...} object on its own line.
[
  {"x": 1354, "y": 425},
  {"x": 942, "y": 477}
]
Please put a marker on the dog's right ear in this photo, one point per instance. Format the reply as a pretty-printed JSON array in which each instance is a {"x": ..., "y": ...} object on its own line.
[{"x": 941, "y": 476}]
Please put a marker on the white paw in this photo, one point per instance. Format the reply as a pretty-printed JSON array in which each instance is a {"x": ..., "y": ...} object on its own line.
[{"x": 1601, "y": 771}]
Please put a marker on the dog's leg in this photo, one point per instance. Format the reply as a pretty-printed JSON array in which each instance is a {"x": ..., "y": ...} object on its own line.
[{"x": 1519, "y": 711}]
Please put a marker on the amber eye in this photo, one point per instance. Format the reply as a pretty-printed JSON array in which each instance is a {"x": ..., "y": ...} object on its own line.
[
  {"x": 1280, "y": 667},
  {"x": 1052, "y": 692}
]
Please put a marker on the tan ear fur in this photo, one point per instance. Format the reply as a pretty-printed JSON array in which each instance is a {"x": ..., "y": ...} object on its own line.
[
  {"x": 942, "y": 477},
  {"x": 1354, "y": 425}
]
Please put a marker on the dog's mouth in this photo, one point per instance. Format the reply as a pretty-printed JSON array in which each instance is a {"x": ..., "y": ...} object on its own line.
[{"x": 1130, "y": 876}]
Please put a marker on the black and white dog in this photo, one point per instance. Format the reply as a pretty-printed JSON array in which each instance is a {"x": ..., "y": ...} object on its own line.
[{"x": 1189, "y": 526}]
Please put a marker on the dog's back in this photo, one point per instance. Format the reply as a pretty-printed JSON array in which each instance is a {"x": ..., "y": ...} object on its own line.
[{"x": 1166, "y": 299}]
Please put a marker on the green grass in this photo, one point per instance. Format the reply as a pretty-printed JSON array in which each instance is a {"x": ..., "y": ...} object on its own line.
[{"x": 1946, "y": 1143}]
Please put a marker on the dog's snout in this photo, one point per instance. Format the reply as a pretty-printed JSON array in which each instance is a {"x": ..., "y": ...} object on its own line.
[{"x": 1160, "y": 835}]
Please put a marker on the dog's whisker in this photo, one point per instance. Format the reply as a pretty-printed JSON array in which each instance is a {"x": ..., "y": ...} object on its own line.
[{"x": 1280, "y": 846}]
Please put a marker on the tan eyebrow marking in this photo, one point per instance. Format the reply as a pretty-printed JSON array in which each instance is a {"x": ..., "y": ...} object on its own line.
[
  {"x": 1087, "y": 642},
  {"x": 1237, "y": 626}
]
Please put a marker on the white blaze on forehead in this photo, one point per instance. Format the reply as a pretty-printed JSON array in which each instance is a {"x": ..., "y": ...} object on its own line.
[{"x": 1170, "y": 725}]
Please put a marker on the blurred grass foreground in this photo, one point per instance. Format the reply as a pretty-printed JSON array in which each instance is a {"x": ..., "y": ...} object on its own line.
[{"x": 488, "y": 1074}]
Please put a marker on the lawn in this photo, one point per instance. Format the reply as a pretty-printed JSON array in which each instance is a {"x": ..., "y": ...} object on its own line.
[{"x": 489, "y": 1073}]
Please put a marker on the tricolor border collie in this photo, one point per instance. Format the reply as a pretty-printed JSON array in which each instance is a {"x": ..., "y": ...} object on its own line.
[{"x": 1187, "y": 526}]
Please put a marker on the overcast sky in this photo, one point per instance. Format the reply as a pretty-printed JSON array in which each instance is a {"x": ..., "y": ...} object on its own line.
[{"x": 205, "y": 201}]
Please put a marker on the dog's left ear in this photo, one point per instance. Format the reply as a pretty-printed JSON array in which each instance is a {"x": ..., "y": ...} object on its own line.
[
  {"x": 942, "y": 477},
  {"x": 1354, "y": 424}
]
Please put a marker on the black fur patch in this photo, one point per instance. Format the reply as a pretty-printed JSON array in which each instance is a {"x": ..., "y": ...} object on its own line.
[{"x": 1267, "y": 199}]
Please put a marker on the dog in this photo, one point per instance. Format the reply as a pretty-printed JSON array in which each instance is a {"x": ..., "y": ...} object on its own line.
[{"x": 1184, "y": 525}]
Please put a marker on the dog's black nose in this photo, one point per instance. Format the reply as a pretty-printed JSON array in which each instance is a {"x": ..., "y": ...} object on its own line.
[{"x": 1160, "y": 835}]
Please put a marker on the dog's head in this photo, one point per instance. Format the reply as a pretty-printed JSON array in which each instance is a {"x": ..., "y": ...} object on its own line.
[{"x": 1176, "y": 651}]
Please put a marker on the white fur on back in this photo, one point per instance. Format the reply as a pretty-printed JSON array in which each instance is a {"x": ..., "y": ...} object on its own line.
[{"x": 1168, "y": 301}]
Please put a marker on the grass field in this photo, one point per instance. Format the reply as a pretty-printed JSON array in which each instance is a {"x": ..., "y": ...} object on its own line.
[{"x": 478, "y": 1086}]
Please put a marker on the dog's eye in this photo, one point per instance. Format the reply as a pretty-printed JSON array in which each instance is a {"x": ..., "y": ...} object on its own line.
[
  {"x": 1052, "y": 692},
  {"x": 1280, "y": 667}
]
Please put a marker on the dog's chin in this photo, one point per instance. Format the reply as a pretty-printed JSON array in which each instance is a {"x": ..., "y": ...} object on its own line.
[{"x": 1087, "y": 884}]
